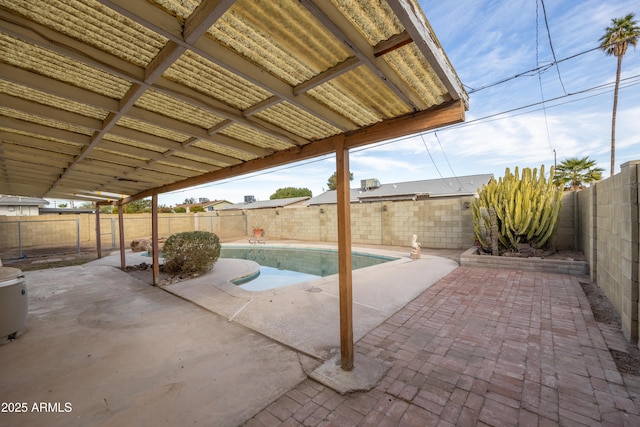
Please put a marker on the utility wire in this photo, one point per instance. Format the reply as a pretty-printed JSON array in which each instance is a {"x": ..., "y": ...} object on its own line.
[
  {"x": 544, "y": 110},
  {"x": 553, "y": 52},
  {"x": 435, "y": 133},
  {"x": 496, "y": 116},
  {"x": 430, "y": 156},
  {"x": 548, "y": 100},
  {"x": 532, "y": 71},
  {"x": 627, "y": 82}
]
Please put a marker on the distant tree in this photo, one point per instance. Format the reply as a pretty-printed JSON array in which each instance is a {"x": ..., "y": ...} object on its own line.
[
  {"x": 189, "y": 201},
  {"x": 615, "y": 41},
  {"x": 62, "y": 205},
  {"x": 180, "y": 209},
  {"x": 164, "y": 209},
  {"x": 287, "y": 192},
  {"x": 196, "y": 208},
  {"x": 138, "y": 206},
  {"x": 106, "y": 209},
  {"x": 87, "y": 205},
  {"x": 332, "y": 183},
  {"x": 574, "y": 173}
]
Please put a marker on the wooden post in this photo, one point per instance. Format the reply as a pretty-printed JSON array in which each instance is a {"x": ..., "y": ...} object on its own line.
[
  {"x": 98, "y": 240},
  {"x": 123, "y": 259},
  {"x": 344, "y": 255},
  {"x": 154, "y": 239}
]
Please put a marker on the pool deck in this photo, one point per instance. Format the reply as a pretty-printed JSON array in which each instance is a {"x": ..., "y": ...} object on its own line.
[{"x": 459, "y": 346}]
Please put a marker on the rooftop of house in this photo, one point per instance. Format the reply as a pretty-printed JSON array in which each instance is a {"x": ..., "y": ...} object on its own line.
[
  {"x": 204, "y": 204},
  {"x": 22, "y": 201},
  {"x": 371, "y": 190},
  {"x": 275, "y": 203}
]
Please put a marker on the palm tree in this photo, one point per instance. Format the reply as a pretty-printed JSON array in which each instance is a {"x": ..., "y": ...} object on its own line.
[
  {"x": 574, "y": 173},
  {"x": 615, "y": 41}
]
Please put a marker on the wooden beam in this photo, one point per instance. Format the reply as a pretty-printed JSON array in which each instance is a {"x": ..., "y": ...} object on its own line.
[
  {"x": 335, "y": 22},
  {"x": 333, "y": 72},
  {"x": 54, "y": 87},
  {"x": 50, "y": 39},
  {"x": 133, "y": 94},
  {"x": 205, "y": 102},
  {"x": 32, "y": 128},
  {"x": 148, "y": 15},
  {"x": 41, "y": 144},
  {"x": 392, "y": 43},
  {"x": 425, "y": 39},
  {"x": 203, "y": 17},
  {"x": 279, "y": 158},
  {"x": 407, "y": 125},
  {"x": 162, "y": 61},
  {"x": 343, "y": 193},
  {"x": 394, "y": 128},
  {"x": 263, "y": 105}
]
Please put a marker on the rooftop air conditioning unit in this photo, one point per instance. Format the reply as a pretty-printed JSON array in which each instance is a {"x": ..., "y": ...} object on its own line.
[
  {"x": 249, "y": 199},
  {"x": 369, "y": 184}
]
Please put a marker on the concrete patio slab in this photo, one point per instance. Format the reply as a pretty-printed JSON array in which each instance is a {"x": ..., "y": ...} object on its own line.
[
  {"x": 476, "y": 347},
  {"x": 305, "y": 316},
  {"x": 104, "y": 349}
]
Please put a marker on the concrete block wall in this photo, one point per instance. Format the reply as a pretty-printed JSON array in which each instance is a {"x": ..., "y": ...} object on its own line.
[
  {"x": 438, "y": 223},
  {"x": 565, "y": 236},
  {"x": 367, "y": 223},
  {"x": 45, "y": 231},
  {"x": 585, "y": 226},
  {"x": 609, "y": 233}
]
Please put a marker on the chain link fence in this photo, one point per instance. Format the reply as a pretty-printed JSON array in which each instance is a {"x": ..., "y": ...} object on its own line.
[{"x": 42, "y": 236}]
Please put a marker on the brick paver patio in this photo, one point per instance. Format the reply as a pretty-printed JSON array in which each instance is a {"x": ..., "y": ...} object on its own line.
[{"x": 480, "y": 347}]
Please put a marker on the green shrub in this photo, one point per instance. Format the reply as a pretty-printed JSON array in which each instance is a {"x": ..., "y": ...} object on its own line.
[
  {"x": 191, "y": 252},
  {"x": 522, "y": 211}
]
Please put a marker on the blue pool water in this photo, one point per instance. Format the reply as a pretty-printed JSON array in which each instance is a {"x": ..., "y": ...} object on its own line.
[{"x": 286, "y": 266}]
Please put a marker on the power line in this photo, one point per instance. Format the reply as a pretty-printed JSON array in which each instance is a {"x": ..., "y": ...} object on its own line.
[
  {"x": 531, "y": 72},
  {"x": 630, "y": 81},
  {"x": 430, "y": 156},
  {"x": 555, "y": 61},
  {"x": 495, "y": 115},
  {"x": 568, "y": 95},
  {"x": 435, "y": 133},
  {"x": 546, "y": 122}
]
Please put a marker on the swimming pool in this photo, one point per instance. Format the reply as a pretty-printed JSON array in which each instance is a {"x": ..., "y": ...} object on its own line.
[{"x": 280, "y": 266}]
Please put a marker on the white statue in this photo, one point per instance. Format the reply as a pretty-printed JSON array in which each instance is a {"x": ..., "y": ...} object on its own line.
[{"x": 415, "y": 248}]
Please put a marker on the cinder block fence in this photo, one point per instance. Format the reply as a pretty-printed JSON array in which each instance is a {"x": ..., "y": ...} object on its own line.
[{"x": 601, "y": 221}]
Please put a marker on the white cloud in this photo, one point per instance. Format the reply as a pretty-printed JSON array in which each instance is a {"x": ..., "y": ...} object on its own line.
[{"x": 486, "y": 41}]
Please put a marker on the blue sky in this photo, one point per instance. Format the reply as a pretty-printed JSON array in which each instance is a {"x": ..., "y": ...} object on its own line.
[{"x": 507, "y": 124}]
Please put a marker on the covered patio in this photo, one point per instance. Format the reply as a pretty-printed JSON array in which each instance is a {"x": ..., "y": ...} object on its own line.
[
  {"x": 112, "y": 101},
  {"x": 115, "y": 100},
  {"x": 474, "y": 347}
]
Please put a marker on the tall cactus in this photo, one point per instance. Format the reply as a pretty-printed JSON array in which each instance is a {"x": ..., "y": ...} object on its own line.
[{"x": 527, "y": 209}]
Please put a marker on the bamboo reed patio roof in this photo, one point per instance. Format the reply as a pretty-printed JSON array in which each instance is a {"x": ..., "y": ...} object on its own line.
[{"x": 122, "y": 99}]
